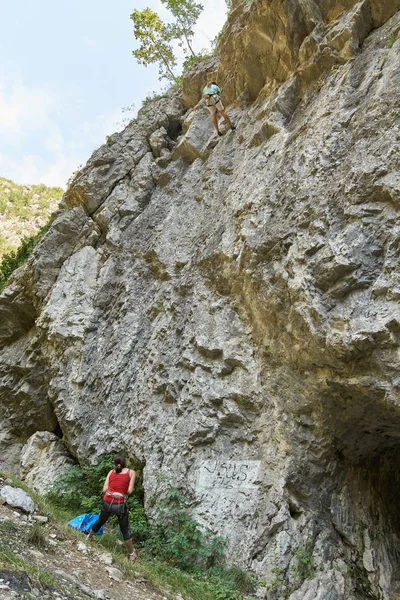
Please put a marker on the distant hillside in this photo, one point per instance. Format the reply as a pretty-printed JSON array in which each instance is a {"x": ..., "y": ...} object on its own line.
[{"x": 23, "y": 210}]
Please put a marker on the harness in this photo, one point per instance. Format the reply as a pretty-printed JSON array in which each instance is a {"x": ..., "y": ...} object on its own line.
[
  {"x": 118, "y": 503},
  {"x": 116, "y": 496},
  {"x": 208, "y": 96}
]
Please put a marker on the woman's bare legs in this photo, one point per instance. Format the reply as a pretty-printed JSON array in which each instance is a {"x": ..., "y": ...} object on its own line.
[
  {"x": 132, "y": 552},
  {"x": 215, "y": 121},
  {"x": 129, "y": 545},
  {"x": 227, "y": 119}
]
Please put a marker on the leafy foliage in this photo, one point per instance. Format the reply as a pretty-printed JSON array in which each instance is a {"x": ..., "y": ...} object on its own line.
[
  {"x": 186, "y": 13},
  {"x": 191, "y": 61},
  {"x": 155, "y": 42},
  {"x": 16, "y": 258},
  {"x": 17, "y": 200},
  {"x": 180, "y": 540},
  {"x": 156, "y": 38}
]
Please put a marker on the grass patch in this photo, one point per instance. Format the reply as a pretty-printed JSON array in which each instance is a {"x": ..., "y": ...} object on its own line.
[
  {"x": 392, "y": 38},
  {"x": 9, "y": 528},
  {"x": 36, "y": 536}
]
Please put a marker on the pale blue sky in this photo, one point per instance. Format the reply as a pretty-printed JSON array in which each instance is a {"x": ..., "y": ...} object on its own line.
[{"x": 66, "y": 71}]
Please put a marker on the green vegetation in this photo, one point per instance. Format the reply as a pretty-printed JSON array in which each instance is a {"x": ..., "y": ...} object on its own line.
[
  {"x": 23, "y": 210},
  {"x": 178, "y": 539},
  {"x": 109, "y": 140},
  {"x": 175, "y": 551},
  {"x": 79, "y": 491},
  {"x": 362, "y": 584},
  {"x": 153, "y": 97},
  {"x": 16, "y": 258},
  {"x": 156, "y": 37},
  {"x": 8, "y": 527},
  {"x": 186, "y": 13},
  {"x": 392, "y": 38},
  {"x": 191, "y": 61},
  {"x": 285, "y": 583},
  {"x": 36, "y": 536}
]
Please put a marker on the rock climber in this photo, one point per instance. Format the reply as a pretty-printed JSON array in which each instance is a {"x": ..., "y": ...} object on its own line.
[
  {"x": 211, "y": 98},
  {"x": 119, "y": 483}
]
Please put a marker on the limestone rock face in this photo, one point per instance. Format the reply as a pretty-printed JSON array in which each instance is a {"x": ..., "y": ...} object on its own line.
[
  {"x": 43, "y": 459},
  {"x": 266, "y": 42},
  {"x": 226, "y": 311}
]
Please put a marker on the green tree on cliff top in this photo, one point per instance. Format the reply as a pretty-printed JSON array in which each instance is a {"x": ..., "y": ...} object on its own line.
[
  {"x": 155, "y": 42},
  {"x": 156, "y": 37},
  {"x": 186, "y": 13}
]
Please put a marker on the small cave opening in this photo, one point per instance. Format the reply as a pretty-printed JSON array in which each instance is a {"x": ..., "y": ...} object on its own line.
[
  {"x": 174, "y": 129},
  {"x": 365, "y": 504},
  {"x": 58, "y": 431},
  {"x": 294, "y": 511}
]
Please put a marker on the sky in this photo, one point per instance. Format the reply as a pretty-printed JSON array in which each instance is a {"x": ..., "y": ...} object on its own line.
[{"x": 67, "y": 78}]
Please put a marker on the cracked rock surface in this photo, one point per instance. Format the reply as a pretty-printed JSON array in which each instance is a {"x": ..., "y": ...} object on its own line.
[{"x": 227, "y": 310}]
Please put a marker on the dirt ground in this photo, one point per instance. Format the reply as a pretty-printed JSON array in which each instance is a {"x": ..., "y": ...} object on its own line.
[{"x": 80, "y": 569}]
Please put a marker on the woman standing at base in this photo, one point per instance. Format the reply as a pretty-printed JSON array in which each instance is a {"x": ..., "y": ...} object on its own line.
[{"x": 118, "y": 485}]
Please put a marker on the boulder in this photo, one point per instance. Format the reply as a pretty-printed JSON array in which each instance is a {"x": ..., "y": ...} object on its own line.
[
  {"x": 197, "y": 140},
  {"x": 43, "y": 459},
  {"x": 17, "y": 498}
]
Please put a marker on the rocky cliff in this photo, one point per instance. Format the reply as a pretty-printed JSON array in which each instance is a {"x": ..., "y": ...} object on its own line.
[{"x": 227, "y": 310}]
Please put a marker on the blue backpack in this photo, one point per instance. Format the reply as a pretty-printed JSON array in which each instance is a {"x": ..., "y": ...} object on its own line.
[{"x": 85, "y": 523}]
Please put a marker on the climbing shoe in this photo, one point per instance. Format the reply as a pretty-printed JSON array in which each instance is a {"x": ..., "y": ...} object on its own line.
[
  {"x": 219, "y": 133},
  {"x": 233, "y": 127}
]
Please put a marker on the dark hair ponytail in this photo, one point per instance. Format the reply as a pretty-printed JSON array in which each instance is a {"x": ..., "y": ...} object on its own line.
[{"x": 119, "y": 462}]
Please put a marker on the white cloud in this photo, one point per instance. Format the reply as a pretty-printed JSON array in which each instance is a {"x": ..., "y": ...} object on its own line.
[
  {"x": 23, "y": 109},
  {"x": 36, "y": 145},
  {"x": 56, "y": 158},
  {"x": 90, "y": 43},
  {"x": 32, "y": 169}
]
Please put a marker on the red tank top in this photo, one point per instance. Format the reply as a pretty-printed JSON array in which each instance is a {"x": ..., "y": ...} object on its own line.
[{"x": 118, "y": 482}]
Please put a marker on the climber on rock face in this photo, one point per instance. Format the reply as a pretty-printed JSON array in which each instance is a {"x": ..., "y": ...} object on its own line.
[{"x": 214, "y": 104}]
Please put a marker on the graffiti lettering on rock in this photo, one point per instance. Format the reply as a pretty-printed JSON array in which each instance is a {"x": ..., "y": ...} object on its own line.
[{"x": 230, "y": 474}]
